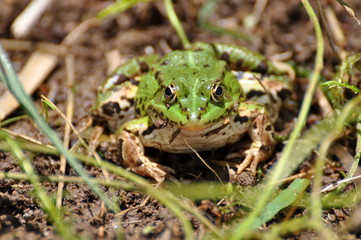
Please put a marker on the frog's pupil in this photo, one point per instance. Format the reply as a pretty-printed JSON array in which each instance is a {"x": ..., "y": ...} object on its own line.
[
  {"x": 168, "y": 92},
  {"x": 219, "y": 91}
]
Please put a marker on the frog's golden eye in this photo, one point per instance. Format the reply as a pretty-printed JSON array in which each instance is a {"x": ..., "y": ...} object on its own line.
[
  {"x": 170, "y": 93},
  {"x": 217, "y": 92}
]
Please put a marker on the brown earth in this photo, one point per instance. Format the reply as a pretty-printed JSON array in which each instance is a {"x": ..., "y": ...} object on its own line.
[{"x": 284, "y": 27}]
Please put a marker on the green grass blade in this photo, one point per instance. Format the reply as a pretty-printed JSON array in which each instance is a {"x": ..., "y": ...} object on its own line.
[
  {"x": 331, "y": 84},
  {"x": 287, "y": 152},
  {"x": 206, "y": 11},
  {"x": 174, "y": 20},
  {"x": 42, "y": 196},
  {"x": 118, "y": 7},
  {"x": 10, "y": 78},
  {"x": 283, "y": 200},
  {"x": 174, "y": 204}
]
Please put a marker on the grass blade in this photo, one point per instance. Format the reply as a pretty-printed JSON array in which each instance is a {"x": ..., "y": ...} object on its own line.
[
  {"x": 9, "y": 77},
  {"x": 284, "y": 199},
  {"x": 42, "y": 196}
]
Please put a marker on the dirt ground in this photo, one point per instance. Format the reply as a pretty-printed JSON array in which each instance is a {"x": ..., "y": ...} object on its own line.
[{"x": 284, "y": 27}]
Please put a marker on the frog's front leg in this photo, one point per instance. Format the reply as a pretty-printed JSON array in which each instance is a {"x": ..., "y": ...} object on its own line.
[
  {"x": 261, "y": 132},
  {"x": 133, "y": 150},
  {"x": 115, "y": 98}
]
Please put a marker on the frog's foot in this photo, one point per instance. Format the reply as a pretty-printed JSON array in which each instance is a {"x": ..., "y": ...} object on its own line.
[
  {"x": 261, "y": 133},
  {"x": 254, "y": 155},
  {"x": 149, "y": 169},
  {"x": 134, "y": 158}
]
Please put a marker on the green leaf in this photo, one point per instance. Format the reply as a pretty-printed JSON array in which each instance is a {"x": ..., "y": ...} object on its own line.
[{"x": 284, "y": 199}]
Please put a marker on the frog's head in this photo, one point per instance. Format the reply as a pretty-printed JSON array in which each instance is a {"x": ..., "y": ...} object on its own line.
[{"x": 194, "y": 90}]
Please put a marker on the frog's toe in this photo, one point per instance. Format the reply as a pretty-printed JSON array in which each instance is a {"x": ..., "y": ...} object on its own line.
[
  {"x": 150, "y": 169},
  {"x": 134, "y": 158},
  {"x": 254, "y": 155},
  {"x": 249, "y": 160}
]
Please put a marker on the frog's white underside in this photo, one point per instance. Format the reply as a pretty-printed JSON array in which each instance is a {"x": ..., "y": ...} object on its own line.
[{"x": 199, "y": 140}]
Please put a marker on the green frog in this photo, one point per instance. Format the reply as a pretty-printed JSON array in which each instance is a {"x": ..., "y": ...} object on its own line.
[{"x": 204, "y": 98}]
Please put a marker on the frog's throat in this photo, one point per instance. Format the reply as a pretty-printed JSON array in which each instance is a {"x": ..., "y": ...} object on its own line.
[{"x": 213, "y": 129}]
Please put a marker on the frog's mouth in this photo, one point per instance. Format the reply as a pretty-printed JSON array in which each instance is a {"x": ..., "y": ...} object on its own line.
[{"x": 204, "y": 130}]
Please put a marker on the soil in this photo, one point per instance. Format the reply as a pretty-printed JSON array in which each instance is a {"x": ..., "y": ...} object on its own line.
[{"x": 284, "y": 27}]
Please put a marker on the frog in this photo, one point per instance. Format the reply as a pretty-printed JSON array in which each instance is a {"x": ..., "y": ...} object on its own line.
[{"x": 198, "y": 99}]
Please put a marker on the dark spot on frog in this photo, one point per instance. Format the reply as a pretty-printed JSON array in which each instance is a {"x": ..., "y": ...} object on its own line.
[
  {"x": 143, "y": 66},
  {"x": 134, "y": 82},
  {"x": 206, "y": 65},
  {"x": 137, "y": 111},
  {"x": 184, "y": 109},
  {"x": 241, "y": 119},
  {"x": 110, "y": 108},
  {"x": 254, "y": 93},
  {"x": 268, "y": 128},
  {"x": 216, "y": 131},
  {"x": 161, "y": 123},
  {"x": 119, "y": 79},
  {"x": 239, "y": 64},
  {"x": 156, "y": 76},
  {"x": 199, "y": 117},
  {"x": 174, "y": 135},
  {"x": 284, "y": 94},
  {"x": 131, "y": 101},
  {"x": 264, "y": 148},
  {"x": 254, "y": 125},
  {"x": 262, "y": 68},
  {"x": 224, "y": 57},
  {"x": 148, "y": 131},
  {"x": 165, "y": 63},
  {"x": 185, "y": 65}
]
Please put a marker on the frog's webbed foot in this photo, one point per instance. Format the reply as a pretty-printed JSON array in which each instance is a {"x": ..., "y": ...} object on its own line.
[
  {"x": 133, "y": 156},
  {"x": 261, "y": 133},
  {"x": 254, "y": 155}
]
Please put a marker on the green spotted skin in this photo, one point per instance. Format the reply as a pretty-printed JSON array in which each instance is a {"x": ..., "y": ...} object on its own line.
[
  {"x": 205, "y": 97},
  {"x": 192, "y": 73}
]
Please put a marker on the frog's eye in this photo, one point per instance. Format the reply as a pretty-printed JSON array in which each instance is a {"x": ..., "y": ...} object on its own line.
[
  {"x": 217, "y": 92},
  {"x": 170, "y": 94}
]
